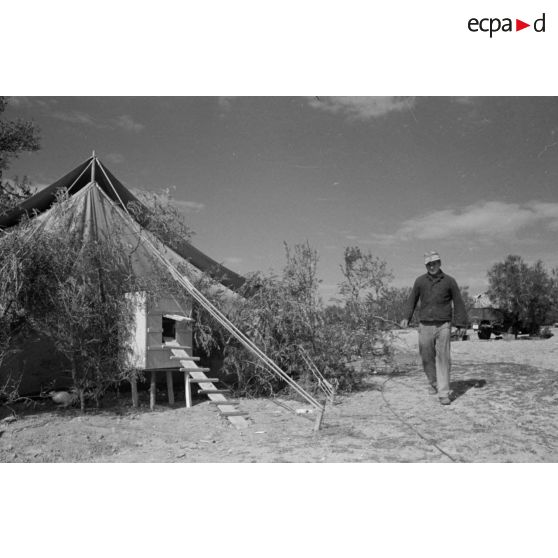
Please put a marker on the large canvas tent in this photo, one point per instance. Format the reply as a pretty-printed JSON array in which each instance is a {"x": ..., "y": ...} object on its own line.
[
  {"x": 98, "y": 206},
  {"x": 97, "y": 193}
]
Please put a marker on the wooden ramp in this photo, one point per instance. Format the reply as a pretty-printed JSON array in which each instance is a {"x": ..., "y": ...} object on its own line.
[{"x": 195, "y": 375}]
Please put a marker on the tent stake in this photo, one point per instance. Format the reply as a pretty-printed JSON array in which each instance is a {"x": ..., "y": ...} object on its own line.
[{"x": 319, "y": 418}]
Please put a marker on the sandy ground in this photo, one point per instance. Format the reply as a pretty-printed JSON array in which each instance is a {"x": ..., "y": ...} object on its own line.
[{"x": 506, "y": 411}]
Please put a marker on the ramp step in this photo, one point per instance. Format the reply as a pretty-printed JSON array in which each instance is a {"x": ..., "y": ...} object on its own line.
[
  {"x": 234, "y": 413},
  {"x": 168, "y": 348},
  {"x": 194, "y": 369},
  {"x": 185, "y": 357},
  {"x": 225, "y": 402},
  {"x": 210, "y": 391},
  {"x": 202, "y": 380}
]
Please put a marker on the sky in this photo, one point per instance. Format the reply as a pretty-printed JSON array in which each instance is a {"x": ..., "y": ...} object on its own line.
[{"x": 472, "y": 177}]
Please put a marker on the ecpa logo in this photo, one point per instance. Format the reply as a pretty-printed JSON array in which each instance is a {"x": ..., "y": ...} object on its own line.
[{"x": 493, "y": 25}]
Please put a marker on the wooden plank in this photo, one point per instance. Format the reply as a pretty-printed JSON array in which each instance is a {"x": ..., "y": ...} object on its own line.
[
  {"x": 135, "y": 398},
  {"x": 225, "y": 402},
  {"x": 187, "y": 390},
  {"x": 237, "y": 421},
  {"x": 177, "y": 357},
  {"x": 234, "y": 413},
  {"x": 215, "y": 390},
  {"x": 200, "y": 380},
  {"x": 194, "y": 368},
  {"x": 170, "y": 387},
  {"x": 165, "y": 348}
]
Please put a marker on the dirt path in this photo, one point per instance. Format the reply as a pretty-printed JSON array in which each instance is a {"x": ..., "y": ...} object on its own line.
[{"x": 513, "y": 417}]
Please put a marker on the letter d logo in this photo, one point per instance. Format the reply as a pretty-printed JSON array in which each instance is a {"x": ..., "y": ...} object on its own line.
[{"x": 539, "y": 24}]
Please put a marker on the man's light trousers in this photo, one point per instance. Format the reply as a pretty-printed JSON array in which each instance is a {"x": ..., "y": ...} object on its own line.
[{"x": 434, "y": 348}]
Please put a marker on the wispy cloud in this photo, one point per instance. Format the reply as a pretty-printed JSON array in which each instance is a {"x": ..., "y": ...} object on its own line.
[
  {"x": 77, "y": 117},
  {"x": 225, "y": 102},
  {"x": 32, "y": 102},
  {"x": 362, "y": 108},
  {"x": 189, "y": 206},
  {"x": 468, "y": 101},
  {"x": 114, "y": 158},
  {"x": 20, "y": 102},
  {"x": 484, "y": 221},
  {"x": 232, "y": 260},
  {"x": 127, "y": 123}
]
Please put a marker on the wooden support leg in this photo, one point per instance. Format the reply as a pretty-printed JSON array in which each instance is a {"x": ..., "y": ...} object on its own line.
[
  {"x": 187, "y": 390},
  {"x": 152, "y": 390},
  {"x": 134, "y": 385},
  {"x": 170, "y": 387}
]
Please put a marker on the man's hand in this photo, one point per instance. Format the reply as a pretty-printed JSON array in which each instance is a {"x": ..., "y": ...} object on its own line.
[{"x": 404, "y": 324}]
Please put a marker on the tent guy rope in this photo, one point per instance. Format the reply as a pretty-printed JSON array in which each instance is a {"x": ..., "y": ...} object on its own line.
[{"x": 217, "y": 314}]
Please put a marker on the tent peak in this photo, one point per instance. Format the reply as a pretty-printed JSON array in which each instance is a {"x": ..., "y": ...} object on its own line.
[{"x": 93, "y": 159}]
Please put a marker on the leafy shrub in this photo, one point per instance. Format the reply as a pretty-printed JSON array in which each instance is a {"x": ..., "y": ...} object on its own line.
[{"x": 285, "y": 316}]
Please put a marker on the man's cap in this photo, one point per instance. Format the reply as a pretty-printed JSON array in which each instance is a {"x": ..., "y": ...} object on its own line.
[{"x": 431, "y": 257}]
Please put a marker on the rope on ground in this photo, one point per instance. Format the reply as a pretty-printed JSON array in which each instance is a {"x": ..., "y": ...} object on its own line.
[{"x": 419, "y": 434}]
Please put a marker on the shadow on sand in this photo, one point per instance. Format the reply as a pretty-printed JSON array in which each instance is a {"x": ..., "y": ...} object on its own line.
[{"x": 459, "y": 387}]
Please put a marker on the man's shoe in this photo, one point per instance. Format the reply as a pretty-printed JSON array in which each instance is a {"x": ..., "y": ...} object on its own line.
[
  {"x": 447, "y": 400},
  {"x": 432, "y": 390}
]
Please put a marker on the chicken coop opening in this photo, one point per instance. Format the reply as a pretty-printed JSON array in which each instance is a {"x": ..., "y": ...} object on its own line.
[{"x": 169, "y": 329}]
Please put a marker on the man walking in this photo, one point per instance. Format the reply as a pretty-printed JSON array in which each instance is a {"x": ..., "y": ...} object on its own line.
[{"x": 437, "y": 293}]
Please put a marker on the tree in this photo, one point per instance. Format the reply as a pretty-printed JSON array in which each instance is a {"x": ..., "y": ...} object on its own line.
[
  {"x": 540, "y": 297},
  {"x": 364, "y": 290},
  {"x": 523, "y": 292},
  {"x": 392, "y": 306},
  {"x": 363, "y": 274},
  {"x": 16, "y": 137},
  {"x": 158, "y": 213},
  {"x": 553, "y": 317},
  {"x": 468, "y": 300},
  {"x": 281, "y": 314}
]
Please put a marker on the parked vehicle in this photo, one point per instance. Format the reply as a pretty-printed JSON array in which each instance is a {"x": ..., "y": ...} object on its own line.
[{"x": 487, "y": 321}]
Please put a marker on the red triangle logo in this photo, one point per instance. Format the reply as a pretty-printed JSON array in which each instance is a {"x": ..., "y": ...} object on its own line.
[{"x": 519, "y": 25}]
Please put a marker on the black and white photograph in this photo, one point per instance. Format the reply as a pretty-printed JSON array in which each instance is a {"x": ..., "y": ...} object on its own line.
[{"x": 278, "y": 279}]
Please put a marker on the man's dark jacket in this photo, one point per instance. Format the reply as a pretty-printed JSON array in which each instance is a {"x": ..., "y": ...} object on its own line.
[{"x": 436, "y": 293}]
